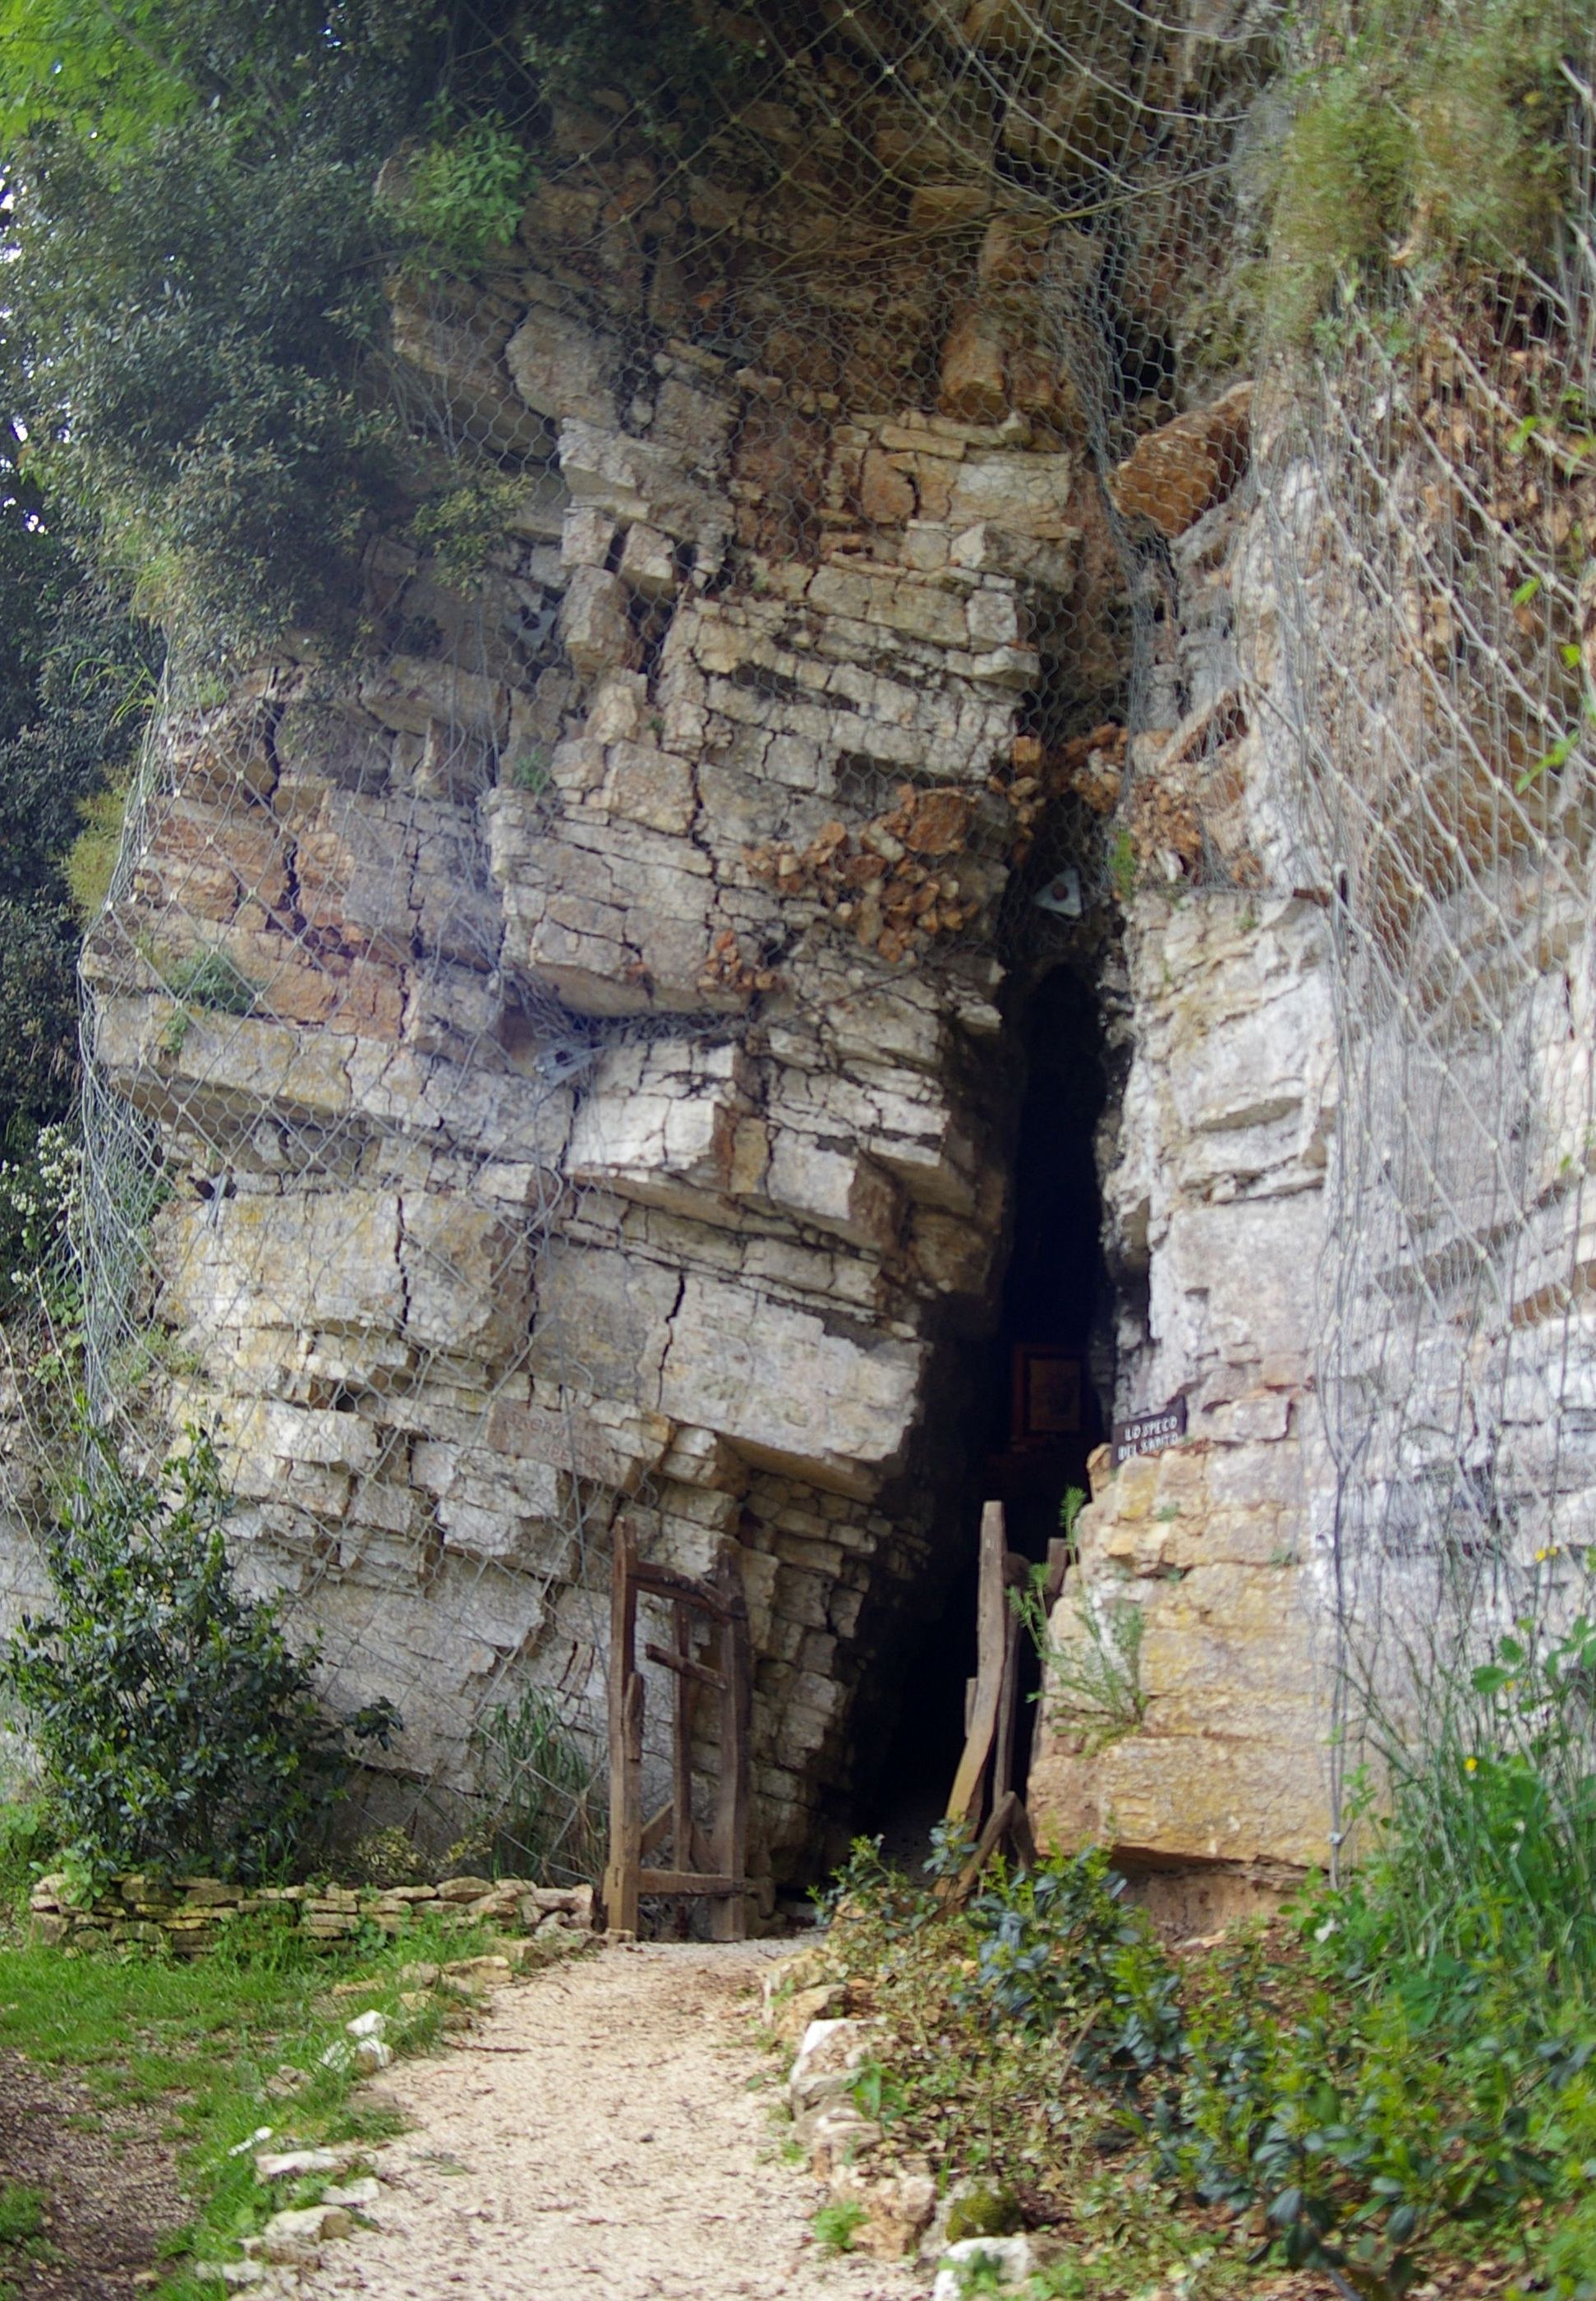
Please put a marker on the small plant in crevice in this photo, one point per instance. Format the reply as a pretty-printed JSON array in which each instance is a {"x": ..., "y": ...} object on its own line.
[
  {"x": 175, "y": 1728},
  {"x": 1092, "y": 1676},
  {"x": 384, "y": 1857},
  {"x": 208, "y": 980},
  {"x": 213, "y": 980},
  {"x": 836, "y": 2225},
  {"x": 530, "y": 772},
  {"x": 462, "y": 526},
  {"x": 1123, "y": 868}
]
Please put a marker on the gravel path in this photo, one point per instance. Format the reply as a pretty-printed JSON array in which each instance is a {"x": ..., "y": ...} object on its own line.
[{"x": 598, "y": 2140}]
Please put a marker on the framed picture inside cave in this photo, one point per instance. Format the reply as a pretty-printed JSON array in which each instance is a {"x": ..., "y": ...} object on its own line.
[{"x": 1049, "y": 1395}]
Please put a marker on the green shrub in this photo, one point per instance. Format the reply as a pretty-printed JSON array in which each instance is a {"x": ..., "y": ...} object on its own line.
[
  {"x": 464, "y": 525},
  {"x": 1374, "y": 2111},
  {"x": 1428, "y": 134},
  {"x": 1485, "y": 1846},
  {"x": 38, "y": 1200},
  {"x": 836, "y": 2225},
  {"x": 74, "y": 677},
  {"x": 1091, "y": 1682},
  {"x": 463, "y": 194},
  {"x": 27, "y": 1841},
  {"x": 38, "y": 1014},
  {"x": 175, "y": 1728}
]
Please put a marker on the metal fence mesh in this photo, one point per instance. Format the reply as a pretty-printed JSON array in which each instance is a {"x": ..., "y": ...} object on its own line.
[{"x": 1428, "y": 498}]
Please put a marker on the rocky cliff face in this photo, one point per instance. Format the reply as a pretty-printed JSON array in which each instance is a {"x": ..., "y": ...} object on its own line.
[
  {"x": 1215, "y": 1203},
  {"x": 576, "y": 1044},
  {"x": 577, "y": 1068}
]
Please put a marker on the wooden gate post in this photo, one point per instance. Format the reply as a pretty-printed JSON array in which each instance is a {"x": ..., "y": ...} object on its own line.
[
  {"x": 994, "y": 1712},
  {"x": 991, "y": 1644},
  {"x": 626, "y": 1745},
  {"x": 728, "y": 1919}
]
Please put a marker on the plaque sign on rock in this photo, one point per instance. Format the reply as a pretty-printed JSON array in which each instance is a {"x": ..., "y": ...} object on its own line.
[{"x": 1149, "y": 1434}]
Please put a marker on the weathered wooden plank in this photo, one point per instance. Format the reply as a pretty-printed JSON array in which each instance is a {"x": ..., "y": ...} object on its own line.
[
  {"x": 682, "y": 1737},
  {"x": 729, "y": 1922},
  {"x": 667, "y": 1581},
  {"x": 689, "y": 1881},
  {"x": 991, "y": 1640},
  {"x": 685, "y": 1666},
  {"x": 998, "y": 1823},
  {"x": 1008, "y": 1700}
]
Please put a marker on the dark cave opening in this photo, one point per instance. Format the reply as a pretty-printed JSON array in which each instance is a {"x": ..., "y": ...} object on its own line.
[{"x": 1032, "y": 1411}]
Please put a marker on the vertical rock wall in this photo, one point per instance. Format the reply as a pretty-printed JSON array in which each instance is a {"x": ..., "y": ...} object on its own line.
[
  {"x": 1220, "y": 1545},
  {"x": 570, "y": 1040}
]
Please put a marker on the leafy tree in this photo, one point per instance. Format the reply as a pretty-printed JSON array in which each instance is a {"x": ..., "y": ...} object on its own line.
[
  {"x": 191, "y": 406},
  {"x": 178, "y": 1730},
  {"x": 189, "y": 263},
  {"x": 196, "y": 277}
]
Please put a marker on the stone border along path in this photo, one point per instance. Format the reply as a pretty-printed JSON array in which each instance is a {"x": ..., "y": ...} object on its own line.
[{"x": 597, "y": 2138}]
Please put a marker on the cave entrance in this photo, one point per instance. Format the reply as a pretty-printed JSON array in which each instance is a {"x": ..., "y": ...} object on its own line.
[{"x": 1034, "y": 1406}]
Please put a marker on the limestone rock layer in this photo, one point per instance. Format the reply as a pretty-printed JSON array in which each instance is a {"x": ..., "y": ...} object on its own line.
[{"x": 569, "y": 1040}]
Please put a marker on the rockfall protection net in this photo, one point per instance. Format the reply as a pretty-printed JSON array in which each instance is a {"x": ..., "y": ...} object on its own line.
[
  {"x": 1427, "y": 506},
  {"x": 806, "y": 489}
]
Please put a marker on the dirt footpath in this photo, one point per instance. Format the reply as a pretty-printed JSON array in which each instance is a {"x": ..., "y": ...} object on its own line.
[
  {"x": 598, "y": 2139},
  {"x": 106, "y": 2187}
]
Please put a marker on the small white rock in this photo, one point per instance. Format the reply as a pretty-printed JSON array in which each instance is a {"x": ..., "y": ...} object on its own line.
[
  {"x": 1010, "y": 2256},
  {"x": 358, "y": 2195},
  {"x": 368, "y": 2025},
  {"x": 295, "y": 2237},
  {"x": 294, "y": 2165}
]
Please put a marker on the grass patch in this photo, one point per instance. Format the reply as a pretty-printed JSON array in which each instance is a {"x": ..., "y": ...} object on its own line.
[
  {"x": 201, "y": 2043},
  {"x": 1426, "y": 138},
  {"x": 21, "y": 2212}
]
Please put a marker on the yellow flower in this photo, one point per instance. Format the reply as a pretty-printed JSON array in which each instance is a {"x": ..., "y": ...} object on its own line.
[{"x": 1471, "y": 1765}]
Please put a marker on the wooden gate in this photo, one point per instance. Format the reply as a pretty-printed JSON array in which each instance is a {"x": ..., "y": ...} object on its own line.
[{"x": 707, "y": 1865}]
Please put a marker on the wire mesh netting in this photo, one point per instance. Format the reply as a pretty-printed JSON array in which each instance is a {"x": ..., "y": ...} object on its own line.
[
  {"x": 1428, "y": 501},
  {"x": 548, "y": 1065}
]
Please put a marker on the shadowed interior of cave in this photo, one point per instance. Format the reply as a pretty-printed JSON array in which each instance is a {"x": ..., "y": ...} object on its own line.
[{"x": 1034, "y": 1415}]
